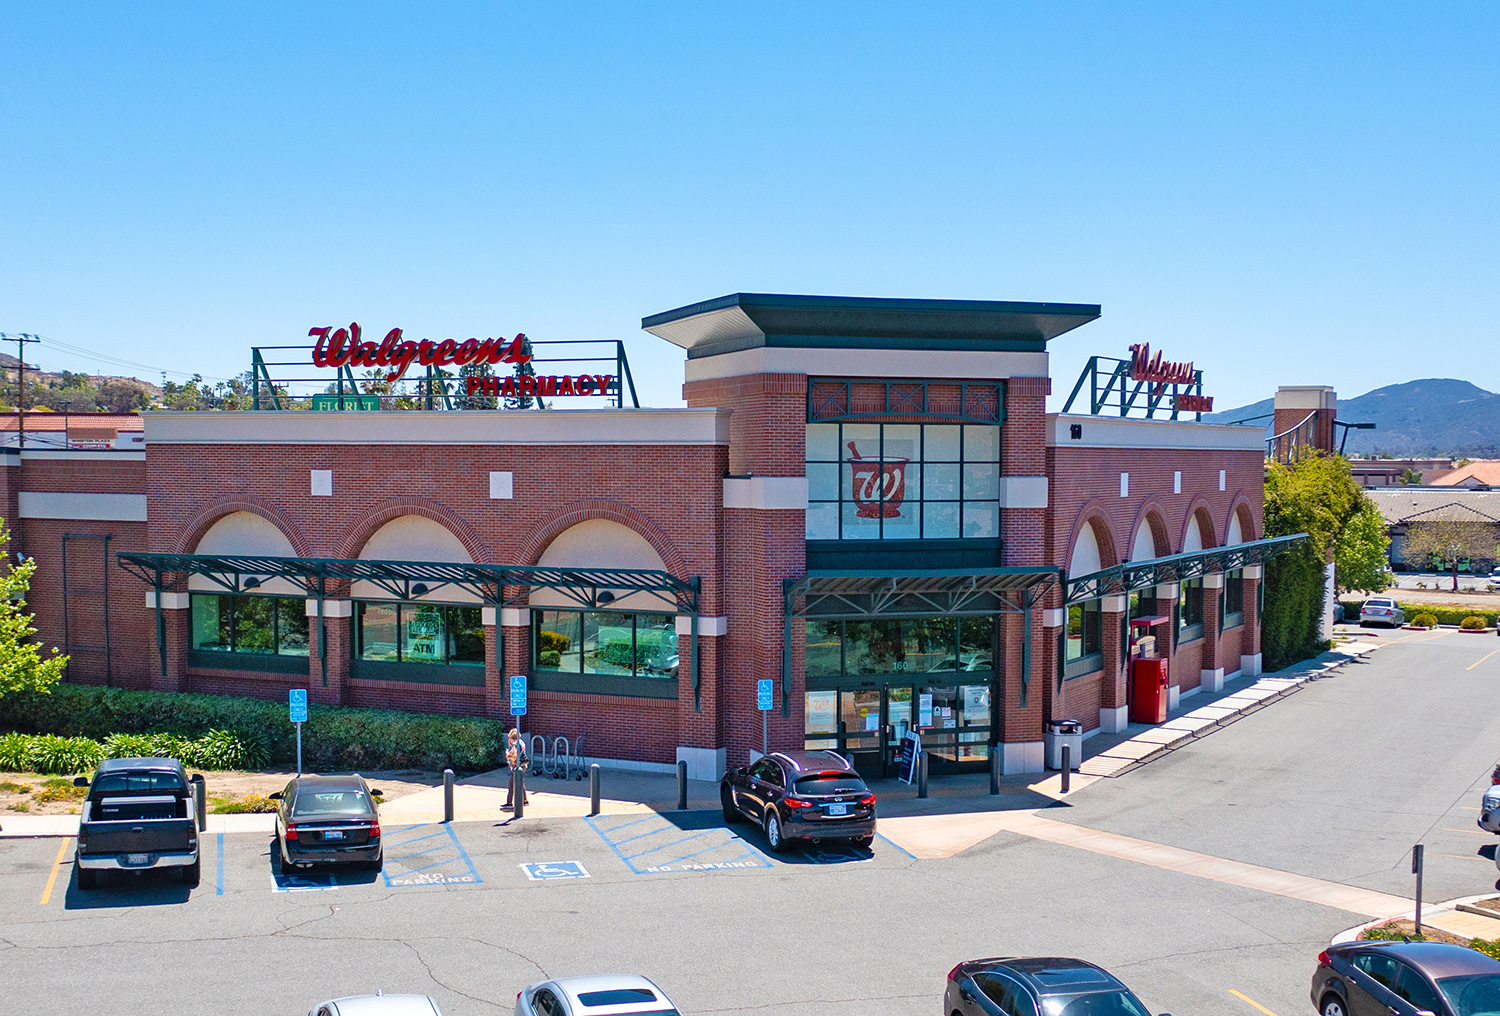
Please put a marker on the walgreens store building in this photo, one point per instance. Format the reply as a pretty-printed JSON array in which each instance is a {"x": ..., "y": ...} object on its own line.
[{"x": 864, "y": 503}]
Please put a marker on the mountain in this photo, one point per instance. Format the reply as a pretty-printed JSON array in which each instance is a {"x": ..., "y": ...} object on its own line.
[{"x": 1433, "y": 416}]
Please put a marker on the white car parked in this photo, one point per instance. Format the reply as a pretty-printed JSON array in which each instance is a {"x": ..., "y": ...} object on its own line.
[
  {"x": 379, "y": 1004},
  {"x": 1381, "y": 610},
  {"x": 594, "y": 996}
]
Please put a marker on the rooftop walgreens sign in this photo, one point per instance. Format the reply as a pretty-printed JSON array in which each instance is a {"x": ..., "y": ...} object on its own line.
[{"x": 345, "y": 347}]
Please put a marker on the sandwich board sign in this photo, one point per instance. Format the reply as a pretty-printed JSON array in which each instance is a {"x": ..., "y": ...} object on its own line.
[{"x": 911, "y": 746}]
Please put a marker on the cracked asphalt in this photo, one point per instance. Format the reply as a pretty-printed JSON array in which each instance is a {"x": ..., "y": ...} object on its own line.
[{"x": 1335, "y": 782}]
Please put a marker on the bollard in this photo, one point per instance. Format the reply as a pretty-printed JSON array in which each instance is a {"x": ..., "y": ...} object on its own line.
[
  {"x": 520, "y": 795},
  {"x": 1416, "y": 869},
  {"x": 994, "y": 769},
  {"x": 681, "y": 786},
  {"x": 447, "y": 795},
  {"x": 922, "y": 774},
  {"x": 200, "y": 800},
  {"x": 1067, "y": 765},
  {"x": 594, "y": 789}
]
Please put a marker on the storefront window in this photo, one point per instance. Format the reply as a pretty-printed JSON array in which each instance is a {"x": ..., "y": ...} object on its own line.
[
  {"x": 1083, "y": 641},
  {"x": 420, "y": 633},
  {"x": 261, "y": 625},
  {"x": 869, "y": 481},
  {"x": 913, "y": 645},
  {"x": 606, "y": 643},
  {"x": 1233, "y": 602},
  {"x": 821, "y": 714},
  {"x": 1190, "y": 615}
]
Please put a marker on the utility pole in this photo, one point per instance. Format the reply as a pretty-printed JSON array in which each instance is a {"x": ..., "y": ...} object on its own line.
[{"x": 20, "y": 341}]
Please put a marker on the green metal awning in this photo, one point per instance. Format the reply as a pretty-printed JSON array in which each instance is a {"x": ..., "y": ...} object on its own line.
[
  {"x": 1134, "y": 575},
  {"x": 917, "y": 592}
]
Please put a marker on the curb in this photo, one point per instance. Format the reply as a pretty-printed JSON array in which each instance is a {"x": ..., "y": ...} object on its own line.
[{"x": 1462, "y": 904}]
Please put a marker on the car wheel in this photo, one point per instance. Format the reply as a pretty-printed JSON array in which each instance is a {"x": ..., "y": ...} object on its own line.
[
  {"x": 1333, "y": 1006},
  {"x": 193, "y": 874},
  {"x": 774, "y": 835},
  {"x": 87, "y": 879},
  {"x": 283, "y": 865},
  {"x": 731, "y": 813}
]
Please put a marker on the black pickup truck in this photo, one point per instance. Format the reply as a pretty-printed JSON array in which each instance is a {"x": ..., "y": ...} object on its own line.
[{"x": 139, "y": 814}]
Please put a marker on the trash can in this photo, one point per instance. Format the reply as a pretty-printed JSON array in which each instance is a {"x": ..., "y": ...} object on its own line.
[{"x": 1059, "y": 733}]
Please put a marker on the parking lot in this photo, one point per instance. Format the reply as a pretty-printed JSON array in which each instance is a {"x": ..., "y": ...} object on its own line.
[{"x": 1335, "y": 783}]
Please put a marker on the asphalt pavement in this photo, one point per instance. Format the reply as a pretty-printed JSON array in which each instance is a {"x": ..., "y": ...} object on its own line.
[{"x": 1335, "y": 782}]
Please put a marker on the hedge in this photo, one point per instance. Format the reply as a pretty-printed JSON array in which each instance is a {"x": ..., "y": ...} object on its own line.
[
  {"x": 335, "y": 738},
  {"x": 1444, "y": 615},
  {"x": 48, "y": 753}
]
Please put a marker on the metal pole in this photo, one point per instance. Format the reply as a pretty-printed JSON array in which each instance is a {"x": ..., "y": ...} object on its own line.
[
  {"x": 1067, "y": 766},
  {"x": 594, "y": 789},
  {"x": 681, "y": 786},
  {"x": 200, "y": 800},
  {"x": 1416, "y": 867},
  {"x": 447, "y": 795},
  {"x": 765, "y": 741},
  {"x": 994, "y": 769},
  {"x": 299, "y": 749},
  {"x": 922, "y": 774},
  {"x": 520, "y": 798}
]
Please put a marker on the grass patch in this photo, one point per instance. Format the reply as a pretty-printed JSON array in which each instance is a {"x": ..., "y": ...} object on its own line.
[
  {"x": 19, "y": 806},
  {"x": 8, "y": 787},
  {"x": 61, "y": 790},
  {"x": 250, "y": 804}
]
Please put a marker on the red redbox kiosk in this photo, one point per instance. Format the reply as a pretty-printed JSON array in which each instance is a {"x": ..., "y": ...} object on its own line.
[{"x": 1148, "y": 698}]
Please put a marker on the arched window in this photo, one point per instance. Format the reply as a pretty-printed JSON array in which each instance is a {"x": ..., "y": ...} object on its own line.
[{"x": 264, "y": 625}]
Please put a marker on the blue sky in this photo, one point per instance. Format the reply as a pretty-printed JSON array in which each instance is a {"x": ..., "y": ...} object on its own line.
[{"x": 1285, "y": 193}]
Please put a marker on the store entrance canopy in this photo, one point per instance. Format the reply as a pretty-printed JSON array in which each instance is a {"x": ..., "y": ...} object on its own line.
[
  {"x": 894, "y": 594},
  {"x": 1134, "y": 575}
]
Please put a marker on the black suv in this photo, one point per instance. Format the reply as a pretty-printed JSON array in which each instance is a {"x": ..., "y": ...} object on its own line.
[
  {"x": 1032, "y": 985},
  {"x": 813, "y": 795},
  {"x": 327, "y": 819}
]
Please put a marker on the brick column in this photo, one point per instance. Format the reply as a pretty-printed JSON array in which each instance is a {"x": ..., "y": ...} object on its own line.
[
  {"x": 1113, "y": 712},
  {"x": 1054, "y": 620},
  {"x": 1210, "y": 664},
  {"x": 1020, "y": 725},
  {"x": 1250, "y": 658},
  {"x": 507, "y": 651},
  {"x": 339, "y": 621},
  {"x": 178, "y": 627}
]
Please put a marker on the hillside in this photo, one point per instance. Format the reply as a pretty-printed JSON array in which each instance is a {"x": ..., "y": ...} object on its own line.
[
  {"x": 1431, "y": 416},
  {"x": 83, "y": 393}
]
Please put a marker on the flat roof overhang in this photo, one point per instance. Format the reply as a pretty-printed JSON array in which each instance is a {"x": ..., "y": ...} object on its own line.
[{"x": 748, "y": 320}]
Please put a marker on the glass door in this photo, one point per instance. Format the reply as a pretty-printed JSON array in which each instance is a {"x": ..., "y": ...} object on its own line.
[{"x": 860, "y": 727}]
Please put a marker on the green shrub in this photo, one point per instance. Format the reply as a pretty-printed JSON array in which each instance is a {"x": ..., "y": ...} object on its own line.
[
  {"x": 15, "y": 753},
  {"x": 1488, "y": 946},
  {"x": 336, "y": 738},
  {"x": 1448, "y": 615},
  {"x": 1473, "y": 623},
  {"x": 1425, "y": 620},
  {"x": 549, "y": 658},
  {"x": 552, "y": 641},
  {"x": 250, "y": 804},
  {"x": 1389, "y": 932},
  {"x": 61, "y": 790},
  {"x": 64, "y": 755}
]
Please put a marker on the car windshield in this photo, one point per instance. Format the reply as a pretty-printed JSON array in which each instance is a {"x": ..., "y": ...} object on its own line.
[
  {"x": 617, "y": 996},
  {"x": 1471, "y": 994},
  {"x": 332, "y": 803},
  {"x": 830, "y": 783},
  {"x": 134, "y": 783},
  {"x": 1378, "y": 603},
  {"x": 1095, "y": 1003}
]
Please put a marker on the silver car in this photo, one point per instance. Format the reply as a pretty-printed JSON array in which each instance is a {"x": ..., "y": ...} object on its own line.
[
  {"x": 608, "y": 995},
  {"x": 1381, "y": 610},
  {"x": 379, "y": 1004}
]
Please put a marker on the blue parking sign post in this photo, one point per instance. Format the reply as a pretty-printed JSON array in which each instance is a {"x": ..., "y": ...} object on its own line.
[
  {"x": 763, "y": 703},
  {"x": 298, "y": 710},
  {"x": 518, "y": 696}
]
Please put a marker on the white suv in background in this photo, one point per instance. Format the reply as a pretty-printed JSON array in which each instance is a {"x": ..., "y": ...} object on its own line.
[{"x": 1381, "y": 610}]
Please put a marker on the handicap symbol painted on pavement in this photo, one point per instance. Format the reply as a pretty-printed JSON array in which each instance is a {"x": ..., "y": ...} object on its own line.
[
  {"x": 308, "y": 882},
  {"x": 550, "y": 871}
]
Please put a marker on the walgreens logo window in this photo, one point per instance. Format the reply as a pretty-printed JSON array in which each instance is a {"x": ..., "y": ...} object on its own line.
[{"x": 873, "y": 481}]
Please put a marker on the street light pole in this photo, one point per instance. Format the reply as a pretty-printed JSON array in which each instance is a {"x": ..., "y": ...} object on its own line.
[{"x": 65, "y": 403}]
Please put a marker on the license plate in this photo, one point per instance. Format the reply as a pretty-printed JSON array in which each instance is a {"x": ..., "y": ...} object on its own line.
[
  {"x": 137, "y": 858},
  {"x": 838, "y": 809},
  {"x": 333, "y": 834}
]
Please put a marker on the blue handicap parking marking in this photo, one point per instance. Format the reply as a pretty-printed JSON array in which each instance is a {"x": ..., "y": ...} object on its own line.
[
  {"x": 551, "y": 871},
  {"x": 427, "y": 855},
  {"x": 837, "y": 855},
  {"x": 655, "y": 844},
  {"x": 303, "y": 881}
]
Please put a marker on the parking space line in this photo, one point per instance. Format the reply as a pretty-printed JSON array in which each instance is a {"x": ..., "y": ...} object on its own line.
[
  {"x": 1486, "y": 656},
  {"x": 898, "y": 846},
  {"x": 749, "y": 857},
  {"x": 674, "y": 843},
  {"x": 695, "y": 853},
  {"x": 1247, "y": 998},
  {"x": 1471, "y": 832},
  {"x": 219, "y": 882},
  {"x": 62, "y": 851},
  {"x": 404, "y": 875},
  {"x": 1461, "y": 857}
]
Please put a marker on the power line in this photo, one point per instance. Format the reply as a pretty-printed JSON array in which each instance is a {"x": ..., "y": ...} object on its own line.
[{"x": 67, "y": 347}]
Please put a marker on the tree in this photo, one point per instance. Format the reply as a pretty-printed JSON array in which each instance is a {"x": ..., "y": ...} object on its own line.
[
  {"x": 1411, "y": 478},
  {"x": 1318, "y": 496},
  {"x": 22, "y": 667},
  {"x": 1361, "y": 551},
  {"x": 523, "y": 369},
  {"x": 1447, "y": 542}
]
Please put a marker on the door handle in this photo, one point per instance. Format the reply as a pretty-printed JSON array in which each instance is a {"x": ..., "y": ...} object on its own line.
[{"x": 968, "y": 999}]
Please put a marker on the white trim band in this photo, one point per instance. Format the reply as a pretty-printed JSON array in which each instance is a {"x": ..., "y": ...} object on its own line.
[
  {"x": 82, "y": 507},
  {"x": 768, "y": 493},
  {"x": 1023, "y": 492},
  {"x": 331, "y": 608},
  {"x": 169, "y": 601},
  {"x": 706, "y": 625},
  {"x": 510, "y": 617}
]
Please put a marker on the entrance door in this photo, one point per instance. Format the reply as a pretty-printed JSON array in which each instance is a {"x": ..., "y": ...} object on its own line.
[{"x": 860, "y": 722}]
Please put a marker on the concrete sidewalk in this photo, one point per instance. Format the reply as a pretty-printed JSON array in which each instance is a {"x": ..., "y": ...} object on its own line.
[{"x": 1457, "y": 917}]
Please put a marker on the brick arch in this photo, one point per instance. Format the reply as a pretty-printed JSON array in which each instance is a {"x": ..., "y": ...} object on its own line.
[
  {"x": 194, "y": 529},
  {"x": 570, "y": 515},
  {"x": 1152, "y": 512},
  {"x": 1240, "y": 505},
  {"x": 365, "y": 526},
  {"x": 1200, "y": 511},
  {"x": 1092, "y": 514}
]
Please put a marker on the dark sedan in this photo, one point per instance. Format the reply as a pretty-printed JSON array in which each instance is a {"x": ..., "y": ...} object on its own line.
[
  {"x": 327, "y": 819},
  {"x": 1404, "y": 979},
  {"x": 1046, "y": 985},
  {"x": 801, "y": 795}
]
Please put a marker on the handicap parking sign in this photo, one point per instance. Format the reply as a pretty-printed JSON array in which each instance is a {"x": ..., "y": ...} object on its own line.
[
  {"x": 518, "y": 695},
  {"x": 763, "y": 694},
  {"x": 551, "y": 871}
]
